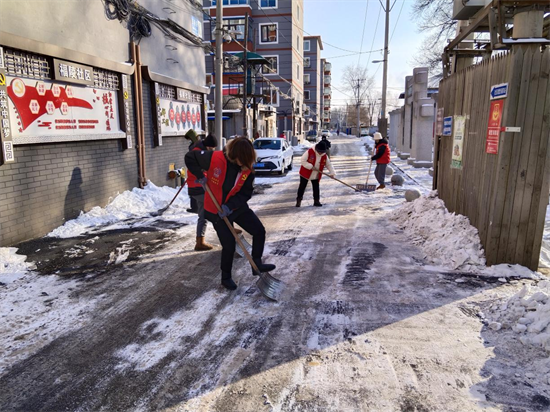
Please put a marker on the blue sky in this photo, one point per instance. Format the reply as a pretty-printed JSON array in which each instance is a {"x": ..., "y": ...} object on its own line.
[{"x": 340, "y": 23}]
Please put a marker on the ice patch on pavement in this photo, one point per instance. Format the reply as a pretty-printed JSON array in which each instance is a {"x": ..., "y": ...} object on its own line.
[
  {"x": 34, "y": 310},
  {"x": 167, "y": 333},
  {"x": 133, "y": 204}
]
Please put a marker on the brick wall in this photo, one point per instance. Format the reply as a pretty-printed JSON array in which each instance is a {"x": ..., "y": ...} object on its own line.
[{"x": 51, "y": 183}]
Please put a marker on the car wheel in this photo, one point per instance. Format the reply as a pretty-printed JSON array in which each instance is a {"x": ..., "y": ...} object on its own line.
[
  {"x": 280, "y": 172},
  {"x": 290, "y": 165}
]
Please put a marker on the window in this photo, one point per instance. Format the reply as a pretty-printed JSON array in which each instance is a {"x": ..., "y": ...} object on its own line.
[
  {"x": 231, "y": 2},
  {"x": 268, "y": 4},
  {"x": 307, "y": 45},
  {"x": 298, "y": 13},
  {"x": 237, "y": 25},
  {"x": 271, "y": 96},
  {"x": 298, "y": 71},
  {"x": 272, "y": 67},
  {"x": 298, "y": 43},
  {"x": 267, "y": 144},
  {"x": 307, "y": 62},
  {"x": 307, "y": 78},
  {"x": 268, "y": 33},
  {"x": 306, "y": 95}
]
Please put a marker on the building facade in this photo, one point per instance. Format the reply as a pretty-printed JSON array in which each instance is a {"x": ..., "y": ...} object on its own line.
[
  {"x": 313, "y": 81},
  {"x": 327, "y": 93},
  {"x": 275, "y": 32},
  {"x": 86, "y": 114}
]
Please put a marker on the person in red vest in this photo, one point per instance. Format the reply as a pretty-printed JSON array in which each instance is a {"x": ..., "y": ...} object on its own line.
[
  {"x": 382, "y": 157},
  {"x": 318, "y": 159},
  {"x": 230, "y": 176},
  {"x": 196, "y": 192}
]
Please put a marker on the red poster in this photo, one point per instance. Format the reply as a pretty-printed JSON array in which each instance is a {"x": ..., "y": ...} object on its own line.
[{"x": 493, "y": 130}]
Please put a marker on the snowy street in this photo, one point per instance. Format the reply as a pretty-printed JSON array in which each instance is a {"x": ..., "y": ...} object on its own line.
[{"x": 375, "y": 316}]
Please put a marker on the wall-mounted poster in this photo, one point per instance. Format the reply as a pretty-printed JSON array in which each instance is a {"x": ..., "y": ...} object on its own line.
[
  {"x": 458, "y": 141},
  {"x": 177, "y": 118},
  {"x": 46, "y": 111}
]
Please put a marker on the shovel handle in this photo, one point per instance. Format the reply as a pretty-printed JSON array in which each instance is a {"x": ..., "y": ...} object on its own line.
[
  {"x": 183, "y": 184},
  {"x": 368, "y": 173},
  {"x": 232, "y": 229},
  {"x": 338, "y": 180}
]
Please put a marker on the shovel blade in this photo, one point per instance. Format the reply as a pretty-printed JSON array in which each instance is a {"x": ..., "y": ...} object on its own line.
[
  {"x": 247, "y": 245},
  {"x": 270, "y": 287}
]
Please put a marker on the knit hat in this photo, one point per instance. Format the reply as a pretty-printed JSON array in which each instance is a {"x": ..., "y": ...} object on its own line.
[
  {"x": 210, "y": 141},
  {"x": 377, "y": 136},
  {"x": 321, "y": 147}
]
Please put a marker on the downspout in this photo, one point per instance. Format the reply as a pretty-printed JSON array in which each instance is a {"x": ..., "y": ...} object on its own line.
[{"x": 138, "y": 86}]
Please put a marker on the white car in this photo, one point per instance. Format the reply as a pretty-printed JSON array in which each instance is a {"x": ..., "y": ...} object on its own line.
[
  {"x": 273, "y": 154},
  {"x": 325, "y": 133}
]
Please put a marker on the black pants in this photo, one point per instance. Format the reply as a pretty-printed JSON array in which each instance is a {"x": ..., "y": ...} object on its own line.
[
  {"x": 249, "y": 222},
  {"x": 302, "y": 189},
  {"x": 380, "y": 173}
]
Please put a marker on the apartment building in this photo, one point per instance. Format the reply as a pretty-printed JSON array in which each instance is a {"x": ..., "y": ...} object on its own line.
[
  {"x": 276, "y": 33},
  {"x": 313, "y": 81},
  {"x": 327, "y": 93}
]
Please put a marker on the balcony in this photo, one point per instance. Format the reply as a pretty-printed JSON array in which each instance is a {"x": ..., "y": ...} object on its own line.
[
  {"x": 328, "y": 68},
  {"x": 328, "y": 80},
  {"x": 327, "y": 91},
  {"x": 326, "y": 102},
  {"x": 233, "y": 3}
]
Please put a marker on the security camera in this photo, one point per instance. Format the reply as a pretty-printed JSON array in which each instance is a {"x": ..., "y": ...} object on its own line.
[{"x": 227, "y": 37}]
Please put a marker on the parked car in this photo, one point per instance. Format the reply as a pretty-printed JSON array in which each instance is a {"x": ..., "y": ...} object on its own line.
[
  {"x": 273, "y": 154},
  {"x": 325, "y": 133},
  {"x": 311, "y": 136},
  {"x": 364, "y": 132}
]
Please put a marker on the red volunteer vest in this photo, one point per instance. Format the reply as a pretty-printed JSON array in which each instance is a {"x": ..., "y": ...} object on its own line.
[
  {"x": 191, "y": 178},
  {"x": 216, "y": 176},
  {"x": 385, "y": 159},
  {"x": 311, "y": 157}
]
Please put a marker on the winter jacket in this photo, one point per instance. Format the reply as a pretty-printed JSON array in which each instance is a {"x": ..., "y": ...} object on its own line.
[
  {"x": 197, "y": 161},
  {"x": 195, "y": 189},
  {"x": 382, "y": 155},
  {"x": 312, "y": 159},
  {"x": 326, "y": 142}
]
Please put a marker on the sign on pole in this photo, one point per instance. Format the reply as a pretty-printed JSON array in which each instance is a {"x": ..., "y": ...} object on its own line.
[
  {"x": 448, "y": 126},
  {"x": 493, "y": 130},
  {"x": 458, "y": 141}
]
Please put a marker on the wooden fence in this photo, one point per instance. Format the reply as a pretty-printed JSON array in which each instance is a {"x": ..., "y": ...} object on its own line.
[{"x": 505, "y": 194}]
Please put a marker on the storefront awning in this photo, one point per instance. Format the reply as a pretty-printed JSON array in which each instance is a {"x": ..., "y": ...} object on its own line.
[{"x": 253, "y": 58}]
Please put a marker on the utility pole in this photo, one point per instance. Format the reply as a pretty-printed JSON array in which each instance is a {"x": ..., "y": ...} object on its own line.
[
  {"x": 245, "y": 88},
  {"x": 358, "y": 105},
  {"x": 383, "y": 121},
  {"x": 219, "y": 73}
]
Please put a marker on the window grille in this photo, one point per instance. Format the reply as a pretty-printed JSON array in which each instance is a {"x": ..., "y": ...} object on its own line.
[
  {"x": 167, "y": 92},
  {"x": 22, "y": 64},
  {"x": 104, "y": 79}
]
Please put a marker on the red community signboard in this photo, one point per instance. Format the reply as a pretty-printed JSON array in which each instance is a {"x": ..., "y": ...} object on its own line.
[{"x": 493, "y": 130}]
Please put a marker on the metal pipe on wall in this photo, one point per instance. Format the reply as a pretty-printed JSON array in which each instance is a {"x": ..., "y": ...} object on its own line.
[{"x": 139, "y": 114}]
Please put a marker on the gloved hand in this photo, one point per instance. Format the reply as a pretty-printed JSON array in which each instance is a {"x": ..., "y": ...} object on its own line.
[
  {"x": 372, "y": 158},
  {"x": 202, "y": 180},
  {"x": 308, "y": 166},
  {"x": 225, "y": 212},
  {"x": 333, "y": 175}
]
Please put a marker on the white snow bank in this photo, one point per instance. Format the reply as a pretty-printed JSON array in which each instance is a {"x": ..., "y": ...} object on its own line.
[
  {"x": 545, "y": 249},
  {"x": 12, "y": 265},
  {"x": 34, "y": 310},
  {"x": 447, "y": 239},
  {"x": 527, "y": 313},
  {"x": 127, "y": 205}
]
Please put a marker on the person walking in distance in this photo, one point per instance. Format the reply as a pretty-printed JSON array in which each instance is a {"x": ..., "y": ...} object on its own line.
[
  {"x": 196, "y": 191},
  {"x": 382, "y": 157},
  {"x": 313, "y": 159},
  {"x": 230, "y": 177},
  {"x": 327, "y": 144}
]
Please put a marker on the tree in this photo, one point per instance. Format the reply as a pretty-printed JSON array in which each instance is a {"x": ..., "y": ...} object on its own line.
[
  {"x": 435, "y": 17},
  {"x": 358, "y": 84}
]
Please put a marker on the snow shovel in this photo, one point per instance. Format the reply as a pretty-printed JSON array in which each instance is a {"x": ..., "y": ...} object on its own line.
[
  {"x": 366, "y": 187},
  {"x": 270, "y": 287},
  {"x": 338, "y": 180},
  {"x": 161, "y": 211}
]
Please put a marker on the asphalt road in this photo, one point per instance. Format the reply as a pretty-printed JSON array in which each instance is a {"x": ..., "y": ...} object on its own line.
[{"x": 363, "y": 324}]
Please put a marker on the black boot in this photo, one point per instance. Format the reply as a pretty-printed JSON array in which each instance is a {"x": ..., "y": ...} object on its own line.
[
  {"x": 298, "y": 202},
  {"x": 317, "y": 203},
  {"x": 263, "y": 267},
  {"x": 227, "y": 282}
]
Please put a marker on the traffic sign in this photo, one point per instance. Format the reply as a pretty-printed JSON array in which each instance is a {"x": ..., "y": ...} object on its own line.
[{"x": 499, "y": 91}]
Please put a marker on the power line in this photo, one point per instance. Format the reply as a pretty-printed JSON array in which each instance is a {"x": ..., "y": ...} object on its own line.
[{"x": 363, "y": 35}]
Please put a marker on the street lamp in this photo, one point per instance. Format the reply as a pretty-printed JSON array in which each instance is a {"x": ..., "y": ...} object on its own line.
[{"x": 379, "y": 61}]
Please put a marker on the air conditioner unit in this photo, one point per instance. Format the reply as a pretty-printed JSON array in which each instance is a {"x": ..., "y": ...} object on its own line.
[
  {"x": 465, "y": 9},
  {"x": 304, "y": 107}
]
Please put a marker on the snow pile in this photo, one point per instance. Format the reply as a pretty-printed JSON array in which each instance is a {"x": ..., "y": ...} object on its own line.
[
  {"x": 128, "y": 205},
  {"x": 12, "y": 265},
  {"x": 545, "y": 249},
  {"x": 447, "y": 239},
  {"x": 527, "y": 313}
]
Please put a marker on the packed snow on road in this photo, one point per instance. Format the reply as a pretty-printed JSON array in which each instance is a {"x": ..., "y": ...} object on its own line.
[{"x": 388, "y": 305}]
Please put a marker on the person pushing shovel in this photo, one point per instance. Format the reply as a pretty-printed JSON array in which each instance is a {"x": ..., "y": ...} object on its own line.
[
  {"x": 313, "y": 163},
  {"x": 229, "y": 176},
  {"x": 382, "y": 157}
]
